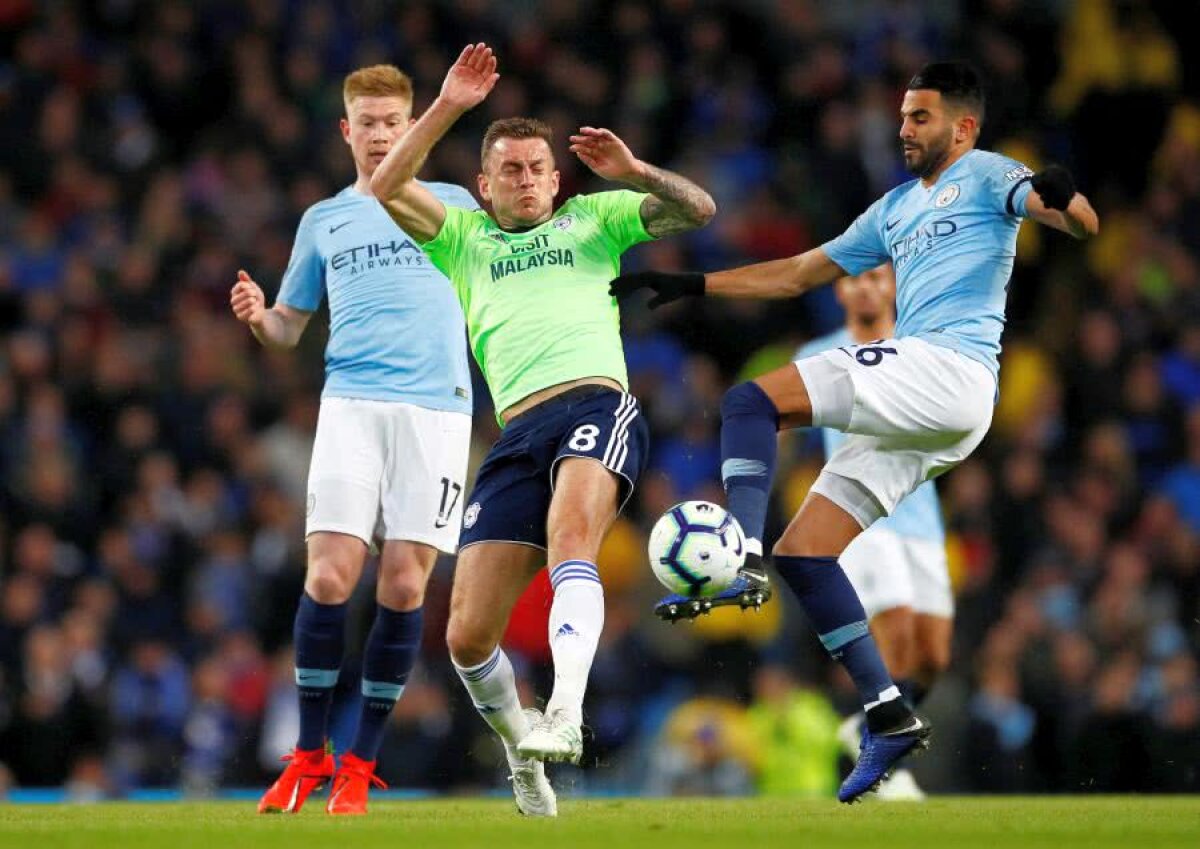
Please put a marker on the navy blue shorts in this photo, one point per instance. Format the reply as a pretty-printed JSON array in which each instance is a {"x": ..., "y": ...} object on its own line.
[{"x": 516, "y": 481}]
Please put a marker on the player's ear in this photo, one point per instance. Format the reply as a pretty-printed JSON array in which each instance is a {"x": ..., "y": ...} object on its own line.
[
  {"x": 554, "y": 179},
  {"x": 966, "y": 128},
  {"x": 485, "y": 190},
  {"x": 345, "y": 128}
]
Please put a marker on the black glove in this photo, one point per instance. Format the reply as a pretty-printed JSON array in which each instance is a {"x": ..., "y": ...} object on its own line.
[
  {"x": 1055, "y": 185},
  {"x": 667, "y": 286}
]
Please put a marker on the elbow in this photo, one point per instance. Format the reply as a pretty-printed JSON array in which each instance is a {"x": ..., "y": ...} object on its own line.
[
  {"x": 279, "y": 344},
  {"x": 795, "y": 283},
  {"x": 380, "y": 185},
  {"x": 706, "y": 211},
  {"x": 1087, "y": 230}
]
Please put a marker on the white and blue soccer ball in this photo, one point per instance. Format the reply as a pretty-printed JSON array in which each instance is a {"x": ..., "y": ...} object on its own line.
[{"x": 696, "y": 549}]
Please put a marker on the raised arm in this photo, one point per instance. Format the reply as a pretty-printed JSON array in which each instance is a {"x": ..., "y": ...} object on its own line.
[
  {"x": 1055, "y": 203},
  {"x": 413, "y": 207},
  {"x": 777, "y": 278},
  {"x": 675, "y": 205}
]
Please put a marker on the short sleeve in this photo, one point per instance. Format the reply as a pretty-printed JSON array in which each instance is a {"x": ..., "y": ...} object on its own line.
[
  {"x": 620, "y": 214},
  {"x": 862, "y": 246},
  {"x": 1011, "y": 183},
  {"x": 303, "y": 285}
]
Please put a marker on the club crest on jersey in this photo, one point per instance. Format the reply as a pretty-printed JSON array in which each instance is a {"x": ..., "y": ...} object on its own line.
[
  {"x": 471, "y": 515},
  {"x": 947, "y": 196},
  {"x": 564, "y": 222}
]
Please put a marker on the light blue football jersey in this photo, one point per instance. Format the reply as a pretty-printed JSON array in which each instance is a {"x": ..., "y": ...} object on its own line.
[
  {"x": 952, "y": 246},
  {"x": 396, "y": 331},
  {"x": 918, "y": 515}
]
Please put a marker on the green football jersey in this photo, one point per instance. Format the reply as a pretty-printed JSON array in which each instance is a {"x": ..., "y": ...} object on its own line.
[{"x": 537, "y": 304}]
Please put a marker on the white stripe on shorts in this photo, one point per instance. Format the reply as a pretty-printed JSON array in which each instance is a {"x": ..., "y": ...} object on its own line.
[{"x": 618, "y": 441}]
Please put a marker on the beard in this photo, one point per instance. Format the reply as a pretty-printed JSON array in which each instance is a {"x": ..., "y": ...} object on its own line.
[{"x": 929, "y": 157}]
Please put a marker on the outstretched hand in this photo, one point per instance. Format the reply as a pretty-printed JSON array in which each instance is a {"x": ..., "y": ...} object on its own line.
[
  {"x": 603, "y": 151},
  {"x": 471, "y": 78},
  {"x": 1055, "y": 186},
  {"x": 667, "y": 286}
]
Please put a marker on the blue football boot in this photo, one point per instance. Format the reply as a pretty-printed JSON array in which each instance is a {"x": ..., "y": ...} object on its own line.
[
  {"x": 880, "y": 753},
  {"x": 751, "y": 588}
]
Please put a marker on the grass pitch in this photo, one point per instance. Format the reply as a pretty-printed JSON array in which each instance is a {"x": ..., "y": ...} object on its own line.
[{"x": 1055, "y": 822}]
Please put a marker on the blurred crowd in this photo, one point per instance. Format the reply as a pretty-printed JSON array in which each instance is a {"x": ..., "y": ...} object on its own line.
[{"x": 153, "y": 458}]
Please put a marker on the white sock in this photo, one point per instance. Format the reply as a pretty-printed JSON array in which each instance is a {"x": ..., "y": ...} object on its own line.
[
  {"x": 887, "y": 695},
  {"x": 576, "y": 619},
  {"x": 493, "y": 689}
]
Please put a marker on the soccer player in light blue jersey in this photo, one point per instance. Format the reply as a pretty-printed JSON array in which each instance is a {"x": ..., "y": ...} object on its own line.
[
  {"x": 915, "y": 405},
  {"x": 390, "y": 455},
  {"x": 898, "y": 565}
]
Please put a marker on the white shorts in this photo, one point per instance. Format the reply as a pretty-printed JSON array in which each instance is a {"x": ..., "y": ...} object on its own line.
[
  {"x": 889, "y": 570},
  {"x": 386, "y": 470},
  {"x": 914, "y": 410}
]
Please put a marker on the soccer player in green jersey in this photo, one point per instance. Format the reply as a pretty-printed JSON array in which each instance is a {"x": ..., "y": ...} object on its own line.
[{"x": 533, "y": 283}]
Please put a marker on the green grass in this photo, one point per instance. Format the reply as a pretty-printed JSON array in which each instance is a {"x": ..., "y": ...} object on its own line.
[{"x": 978, "y": 823}]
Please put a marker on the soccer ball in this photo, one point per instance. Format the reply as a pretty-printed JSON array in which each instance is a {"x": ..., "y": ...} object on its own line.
[{"x": 696, "y": 549}]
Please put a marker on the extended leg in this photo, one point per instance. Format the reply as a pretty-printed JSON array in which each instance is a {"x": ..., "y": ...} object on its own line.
[
  {"x": 806, "y": 558},
  {"x": 581, "y": 512}
]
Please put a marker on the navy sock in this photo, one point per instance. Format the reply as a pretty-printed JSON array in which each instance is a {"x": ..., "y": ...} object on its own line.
[
  {"x": 913, "y": 691},
  {"x": 320, "y": 638},
  {"x": 833, "y": 608},
  {"x": 388, "y": 658},
  {"x": 749, "y": 424}
]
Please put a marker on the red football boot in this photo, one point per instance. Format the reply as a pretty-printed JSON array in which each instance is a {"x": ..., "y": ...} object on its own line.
[
  {"x": 351, "y": 783},
  {"x": 305, "y": 772}
]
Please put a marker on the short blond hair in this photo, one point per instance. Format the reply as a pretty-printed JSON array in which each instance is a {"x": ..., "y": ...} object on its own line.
[
  {"x": 515, "y": 128},
  {"x": 377, "y": 81}
]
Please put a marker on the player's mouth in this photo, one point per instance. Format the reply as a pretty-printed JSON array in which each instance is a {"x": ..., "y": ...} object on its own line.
[{"x": 378, "y": 155}]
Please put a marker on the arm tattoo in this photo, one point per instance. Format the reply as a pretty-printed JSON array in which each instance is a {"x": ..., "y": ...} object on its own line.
[{"x": 675, "y": 205}]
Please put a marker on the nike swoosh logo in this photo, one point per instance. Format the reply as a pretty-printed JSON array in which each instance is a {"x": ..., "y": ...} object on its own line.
[
  {"x": 334, "y": 229},
  {"x": 892, "y": 224},
  {"x": 438, "y": 523},
  {"x": 916, "y": 725},
  {"x": 303, "y": 677}
]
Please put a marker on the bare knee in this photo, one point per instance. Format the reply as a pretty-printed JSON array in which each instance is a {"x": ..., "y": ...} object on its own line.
[
  {"x": 403, "y": 574},
  {"x": 330, "y": 579},
  {"x": 405, "y": 591},
  {"x": 468, "y": 646}
]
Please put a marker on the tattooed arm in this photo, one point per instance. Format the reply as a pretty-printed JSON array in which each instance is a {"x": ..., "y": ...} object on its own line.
[{"x": 675, "y": 205}]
